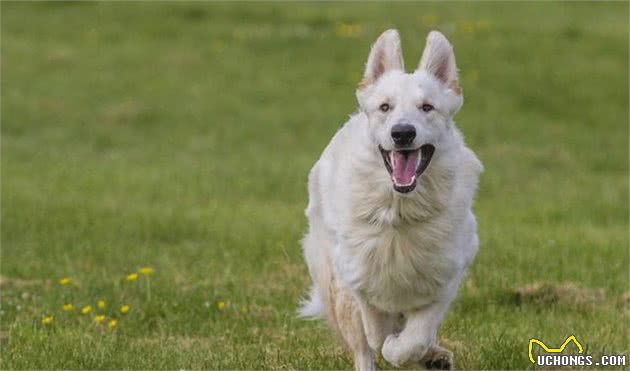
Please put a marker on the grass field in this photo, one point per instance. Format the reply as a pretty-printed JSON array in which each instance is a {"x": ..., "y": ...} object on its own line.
[{"x": 179, "y": 137}]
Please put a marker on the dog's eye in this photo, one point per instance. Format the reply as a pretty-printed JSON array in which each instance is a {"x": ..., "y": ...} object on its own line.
[
  {"x": 384, "y": 107},
  {"x": 427, "y": 107}
]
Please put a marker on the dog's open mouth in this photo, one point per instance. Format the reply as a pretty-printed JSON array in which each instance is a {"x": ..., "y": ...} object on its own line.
[{"x": 406, "y": 165}]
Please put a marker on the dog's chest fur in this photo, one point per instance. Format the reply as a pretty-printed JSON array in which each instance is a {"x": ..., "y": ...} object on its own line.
[{"x": 399, "y": 253}]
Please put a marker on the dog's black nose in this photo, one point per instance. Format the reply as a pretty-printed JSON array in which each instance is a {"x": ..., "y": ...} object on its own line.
[{"x": 403, "y": 134}]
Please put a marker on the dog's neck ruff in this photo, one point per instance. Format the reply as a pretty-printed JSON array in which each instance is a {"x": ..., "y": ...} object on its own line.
[{"x": 376, "y": 202}]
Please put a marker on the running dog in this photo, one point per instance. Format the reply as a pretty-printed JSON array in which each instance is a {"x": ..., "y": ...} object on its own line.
[{"x": 391, "y": 227}]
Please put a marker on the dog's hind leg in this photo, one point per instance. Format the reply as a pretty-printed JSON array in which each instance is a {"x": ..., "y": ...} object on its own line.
[{"x": 347, "y": 318}]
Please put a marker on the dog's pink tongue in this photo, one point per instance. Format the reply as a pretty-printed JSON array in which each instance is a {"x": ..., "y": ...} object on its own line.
[{"x": 404, "y": 167}]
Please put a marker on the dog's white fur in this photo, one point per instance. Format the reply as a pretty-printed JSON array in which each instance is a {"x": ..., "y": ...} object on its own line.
[{"x": 386, "y": 265}]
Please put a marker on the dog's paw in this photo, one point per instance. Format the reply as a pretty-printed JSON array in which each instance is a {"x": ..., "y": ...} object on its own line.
[
  {"x": 438, "y": 358},
  {"x": 391, "y": 351},
  {"x": 402, "y": 351}
]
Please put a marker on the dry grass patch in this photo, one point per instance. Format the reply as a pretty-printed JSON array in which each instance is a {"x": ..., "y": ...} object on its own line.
[
  {"x": 8, "y": 282},
  {"x": 179, "y": 342},
  {"x": 567, "y": 293}
]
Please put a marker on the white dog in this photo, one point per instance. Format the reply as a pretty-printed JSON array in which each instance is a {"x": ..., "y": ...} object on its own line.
[{"x": 391, "y": 230}]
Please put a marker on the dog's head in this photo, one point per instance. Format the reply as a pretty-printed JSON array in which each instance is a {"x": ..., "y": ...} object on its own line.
[{"x": 409, "y": 114}]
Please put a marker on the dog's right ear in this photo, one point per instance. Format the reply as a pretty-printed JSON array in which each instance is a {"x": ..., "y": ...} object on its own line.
[{"x": 385, "y": 55}]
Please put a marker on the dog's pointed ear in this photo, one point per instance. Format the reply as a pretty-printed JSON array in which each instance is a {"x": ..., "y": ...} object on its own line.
[
  {"x": 438, "y": 59},
  {"x": 385, "y": 55}
]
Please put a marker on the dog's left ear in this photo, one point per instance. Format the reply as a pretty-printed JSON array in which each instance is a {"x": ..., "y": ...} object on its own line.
[{"x": 438, "y": 59}]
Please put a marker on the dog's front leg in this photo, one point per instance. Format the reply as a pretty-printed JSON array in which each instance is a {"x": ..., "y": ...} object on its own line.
[
  {"x": 418, "y": 336},
  {"x": 376, "y": 324}
]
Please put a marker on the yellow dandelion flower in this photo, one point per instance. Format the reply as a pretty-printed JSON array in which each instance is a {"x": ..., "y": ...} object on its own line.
[
  {"x": 86, "y": 309},
  {"x": 146, "y": 271},
  {"x": 99, "y": 318},
  {"x": 47, "y": 320},
  {"x": 348, "y": 30},
  {"x": 132, "y": 277},
  {"x": 221, "y": 305},
  {"x": 112, "y": 323},
  {"x": 429, "y": 20},
  {"x": 124, "y": 309},
  {"x": 65, "y": 281},
  {"x": 100, "y": 304},
  {"x": 68, "y": 307}
]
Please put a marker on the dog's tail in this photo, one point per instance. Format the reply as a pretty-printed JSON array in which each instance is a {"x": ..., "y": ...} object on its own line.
[{"x": 312, "y": 307}]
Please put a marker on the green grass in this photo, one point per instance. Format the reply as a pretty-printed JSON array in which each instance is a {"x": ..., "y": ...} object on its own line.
[{"x": 179, "y": 136}]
